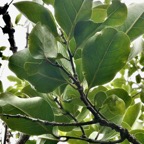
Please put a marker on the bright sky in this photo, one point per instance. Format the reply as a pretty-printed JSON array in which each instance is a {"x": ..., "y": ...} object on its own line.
[{"x": 20, "y": 36}]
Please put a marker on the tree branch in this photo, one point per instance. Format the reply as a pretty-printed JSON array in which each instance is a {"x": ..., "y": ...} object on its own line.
[
  {"x": 97, "y": 116},
  {"x": 44, "y": 122}
]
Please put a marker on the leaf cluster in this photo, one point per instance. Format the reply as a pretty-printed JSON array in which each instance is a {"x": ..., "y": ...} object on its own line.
[{"x": 75, "y": 80}]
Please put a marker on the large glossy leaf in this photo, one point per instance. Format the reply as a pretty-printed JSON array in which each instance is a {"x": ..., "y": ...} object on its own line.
[
  {"x": 42, "y": 43},
  {"x": 132, "y": 114},
  {"x": 133, "y": 25},
  {"x": 69, "y": 12},
  {"x": 104, "y": 55},
  {"x": 37, "y": 13},
  {"x": 39, "y": 73},
  {"x": 31, "y": 107}
]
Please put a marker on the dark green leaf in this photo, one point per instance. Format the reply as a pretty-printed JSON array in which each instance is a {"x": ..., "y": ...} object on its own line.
[
  {"x": 2, "y": 48},
  {"x": 32, "y": 107},
  {"x": 37, "y": 13},
  {"x": 142, "y": 96},
  {"x": 69, "y": 12},
  {"x": 42, "y": 43},
  {"x": 99, "y": 99},
  {"x": 41, "y": 74},
  {"x": 84, "y": 30},
  {"x": 138, "y": 78},
  {"x": 104, "y": 55},
  {"x": 1, "y": 87}
]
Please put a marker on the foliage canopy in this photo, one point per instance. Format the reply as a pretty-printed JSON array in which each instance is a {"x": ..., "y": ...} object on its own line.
[{"x": 80, "y": 79}]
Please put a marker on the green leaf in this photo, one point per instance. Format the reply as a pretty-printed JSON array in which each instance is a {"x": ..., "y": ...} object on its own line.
[
  {"x": 138, "y": 78},
  {"x": 47, "y": 139},
  {"x": 42, "y": 43},
  {"x": 132, "y": 114},
  {"x": 51, "y": 2},
  {"x": 29, "y": 91},
  {"x": 118, "y": 82},
  {"x": 133, "y": 25},
  {"x": 121, "y": 93},
  {"x": 18, "y": 17},
  {"x": 83, "y": 114},
  {"x": 69, "y": 12},
  {"x": 41, "y": 74},
  {"x": 101, "y": 61},
  {"x": 14, "y": 79},
  {"x": 99, "y": 13},
  {"x": 94, "y": 91},
  {"x": 64, "y": 119},
  {"x": 1, "y": 87},
  {"x": 71, "y": 99},
  {"x": 32, "y": 107},
  {"x": 37, "y": 13},
  {"x": 99, "y": 99},
  {"x": 84, "y": 30},
  {"x": 138, "y": 134},
  {"x": 78, "y": 63},
  {"x": 115, "y": 104},
  {"x": 2, "y": 48},
  {"x": 116, "y": 13},
  {"x": 142, "y": 96}
]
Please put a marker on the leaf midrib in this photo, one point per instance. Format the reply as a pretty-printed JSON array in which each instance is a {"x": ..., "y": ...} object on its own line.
[
  {"x": 134, "y": 23},
  {"x": 75, "y": 20}
]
